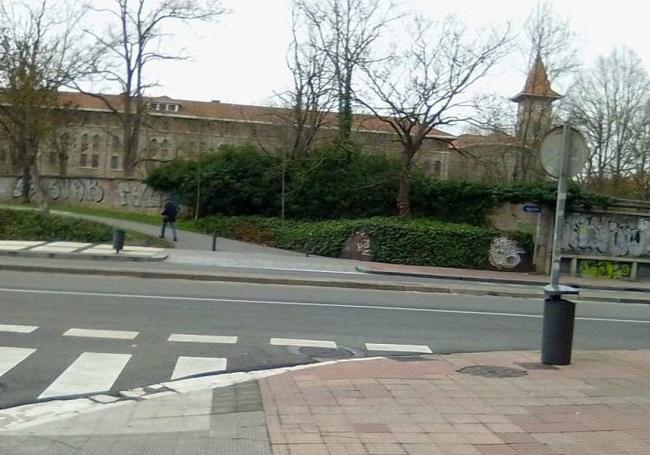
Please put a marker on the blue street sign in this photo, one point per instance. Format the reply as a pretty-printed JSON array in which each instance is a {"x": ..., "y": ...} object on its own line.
[{"x": 532, "y": 208}]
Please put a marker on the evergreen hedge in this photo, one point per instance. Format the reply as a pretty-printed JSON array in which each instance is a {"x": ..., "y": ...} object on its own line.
[
  {"x": 33, "y": 225},
  {"x": 327, "y": 184},
  {"x": 393, "y": 240}
]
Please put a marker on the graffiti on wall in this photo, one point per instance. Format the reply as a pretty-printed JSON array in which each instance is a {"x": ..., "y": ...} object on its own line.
[
  {"x": 128, "y": 194},
  {"x": 605, "y": 269},
  {"x": 73, "y": 190},
  {"x": 137, "y": 194},
  {"x": 505, "y": 253},
  {"x": 608, "y": 235}
]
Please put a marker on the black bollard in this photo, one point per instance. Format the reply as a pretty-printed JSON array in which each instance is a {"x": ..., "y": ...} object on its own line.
[
  {"x": 557, "y": 330},
  {"x": 214, "y": 242}
]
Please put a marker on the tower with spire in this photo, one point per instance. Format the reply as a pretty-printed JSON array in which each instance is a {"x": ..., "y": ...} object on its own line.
[{"x": 534, "y": 115}]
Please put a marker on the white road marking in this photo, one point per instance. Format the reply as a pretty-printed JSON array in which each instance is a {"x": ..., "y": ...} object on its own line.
[
  {"x": 10, "y": 357},
  {"x": 92, "y": 372},
  {"x": 398, "y": 348},
  {"x": 91, "y": 333},
  {"x": 303, "y": 343},
  {"x": 308, "y": 304},
  {"x": 188, "y": 366},
  {"x": 186, "y": 338},
  {"x": 17, "y": 328}
]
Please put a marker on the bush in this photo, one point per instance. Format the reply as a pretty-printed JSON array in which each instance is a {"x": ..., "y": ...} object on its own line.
[
  {"x": 412, "y": 241},
  {"x": 32, "y": 225},
  {"x": 330, "y": 184}
]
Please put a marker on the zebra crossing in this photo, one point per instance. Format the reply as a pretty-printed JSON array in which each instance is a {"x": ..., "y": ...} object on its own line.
[{"x": 92, "y": 372}]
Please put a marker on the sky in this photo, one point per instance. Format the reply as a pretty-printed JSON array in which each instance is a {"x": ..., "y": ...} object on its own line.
[{"x": 242, "y": 58}]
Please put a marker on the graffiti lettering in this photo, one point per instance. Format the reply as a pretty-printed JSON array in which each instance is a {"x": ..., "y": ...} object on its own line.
[
  {"x": 607, "y": 235},
  {"x": 605, "y": 269},
  {"x": 135, "y": 194}
]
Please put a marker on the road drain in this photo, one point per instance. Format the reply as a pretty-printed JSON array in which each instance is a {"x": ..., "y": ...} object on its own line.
[
  {"x": 321, "y": 354},
  {"x": 490, "y": 371}
]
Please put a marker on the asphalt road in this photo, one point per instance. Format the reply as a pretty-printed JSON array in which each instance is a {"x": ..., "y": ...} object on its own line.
[{"x": 36, "y": 310}]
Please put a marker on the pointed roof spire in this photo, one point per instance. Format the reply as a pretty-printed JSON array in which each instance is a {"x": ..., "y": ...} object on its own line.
[{"x": 537, "y": 83}]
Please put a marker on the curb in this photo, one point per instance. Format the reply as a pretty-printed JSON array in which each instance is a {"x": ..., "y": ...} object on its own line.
[
  {"x": 280, "y": 280},
  {"x": 29, "y": 415},
  {"x": 80, "y": 256},
  {"x": 371, "y": 271}
]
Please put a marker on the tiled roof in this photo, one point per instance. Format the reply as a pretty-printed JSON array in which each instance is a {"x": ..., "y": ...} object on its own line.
[
  {"x": 217, "y": 110},
  {"x": 537, "y": 83},
  {"x": 466, "y": 141}
]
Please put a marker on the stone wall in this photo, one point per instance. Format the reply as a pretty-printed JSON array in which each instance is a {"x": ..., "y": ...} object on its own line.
[{"x": 124, "y": 194}]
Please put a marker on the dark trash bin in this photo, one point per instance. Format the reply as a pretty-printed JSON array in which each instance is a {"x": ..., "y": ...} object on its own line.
[{"x": 118, "y": 240}]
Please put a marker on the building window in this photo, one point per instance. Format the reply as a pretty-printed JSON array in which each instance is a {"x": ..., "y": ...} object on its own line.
[
  {"x": 164, "y": 149},
  {"x": 115, "y": 153},
  {"x": 83, "y": 149},
  {"x": 437, "y": 168},
  {"x": 97, "y": 145},
  {"x": 53, "y": 159},
  {"x": 153, "y": 147}
]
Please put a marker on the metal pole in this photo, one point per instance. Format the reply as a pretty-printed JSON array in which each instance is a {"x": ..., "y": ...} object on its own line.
[
  {"x": 559, "y": 314},
  {"x": 198, "y": 188},
  {"x": 284, "y": 179},
  {"x": 560, "y": 206}
]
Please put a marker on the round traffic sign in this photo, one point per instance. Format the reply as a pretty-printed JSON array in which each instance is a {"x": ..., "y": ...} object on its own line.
[{"x": 551, "y": 152}]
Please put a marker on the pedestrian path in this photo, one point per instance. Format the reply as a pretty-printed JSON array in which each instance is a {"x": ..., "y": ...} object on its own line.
[{"x": 88, "y": 371}]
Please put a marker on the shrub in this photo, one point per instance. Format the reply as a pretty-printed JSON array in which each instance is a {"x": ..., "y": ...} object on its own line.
[
  {"x": 32, "y": 225},
  {"x": 330, "y": 184},
  {"x": 411, "y": 241}
]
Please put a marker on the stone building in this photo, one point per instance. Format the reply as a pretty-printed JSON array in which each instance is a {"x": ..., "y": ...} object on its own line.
[{"x": 90, "y": 144}]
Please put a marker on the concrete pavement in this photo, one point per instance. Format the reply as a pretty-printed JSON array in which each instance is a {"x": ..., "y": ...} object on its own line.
[{"x": 464, "y": 404}]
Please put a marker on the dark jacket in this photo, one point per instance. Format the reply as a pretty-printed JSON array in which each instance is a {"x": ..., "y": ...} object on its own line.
[{"x": 169, "y": 212}]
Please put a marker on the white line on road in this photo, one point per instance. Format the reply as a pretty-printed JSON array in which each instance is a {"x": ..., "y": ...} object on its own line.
[
  {"x": 92, "y": 372},
  {"x": 17, "y": 328},
  {"x": 90, "y": 333},
  {"x": 10, "y": 357},
  {"x": 308, "y": 304},
  {"x": 182, "y": 337},
  {"x": 398, "y": 348},
  {"x": 303, "y": 343},
  {"x": 188, "y": 366}
]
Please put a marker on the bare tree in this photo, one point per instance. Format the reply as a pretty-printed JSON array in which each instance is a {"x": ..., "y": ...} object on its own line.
[
  {"x": 424, "y": 86},
  {"x": 610, "y": 104},
  {"x": 132, "y": 42},
  {"x": 39, "y": 54},
  {"x": 345, "y": 32},
  {"x": 552, "y": 38},
  {"x": 310, "y": 99}
]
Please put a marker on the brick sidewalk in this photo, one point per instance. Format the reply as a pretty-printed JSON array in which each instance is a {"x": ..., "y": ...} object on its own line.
[{"x": 598, "y": 405}]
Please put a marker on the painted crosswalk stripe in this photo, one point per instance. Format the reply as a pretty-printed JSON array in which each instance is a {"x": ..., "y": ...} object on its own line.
[
  {"x": 188, "y": 366},
  {"x": 10, "y": 357},
  {"x": 399, "y": 348},
  {"x": 182, "y": 337},
  {"x": 303, "y": 343},
  {"x": 17, "y": 328},
  {"x": 92, "y": 372},
  {"x": 91, "y": 333}
]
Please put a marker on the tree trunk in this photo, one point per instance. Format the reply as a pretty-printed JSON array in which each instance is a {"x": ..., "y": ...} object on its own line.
[
  {"x": 39, "y": 194},
  {"x": 27, "y": 185},
  {"x": 404, "y": 191}
]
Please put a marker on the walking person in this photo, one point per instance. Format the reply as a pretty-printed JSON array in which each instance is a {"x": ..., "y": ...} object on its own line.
[{"x": 169, "y": 216}]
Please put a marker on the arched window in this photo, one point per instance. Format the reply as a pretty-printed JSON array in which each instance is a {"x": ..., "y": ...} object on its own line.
[
  {"x": 115, "y": 153},
  {"x": 437, "y": 168},
  {"x": 97, "y": 145},
  {"x": 164, "y": 149},
  {"x": 153, "y": 147},
  {"x": 83, "y": 149}
]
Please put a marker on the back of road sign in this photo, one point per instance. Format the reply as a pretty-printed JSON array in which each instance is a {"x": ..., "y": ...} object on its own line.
[{"x": 551, "y": 152}]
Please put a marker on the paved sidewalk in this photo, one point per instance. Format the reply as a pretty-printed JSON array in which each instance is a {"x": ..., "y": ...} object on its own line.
[
  {"x": 463, "y": 404},
  {"x": 79, "y": 250},
  {"x": 497, "y": 276}
]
